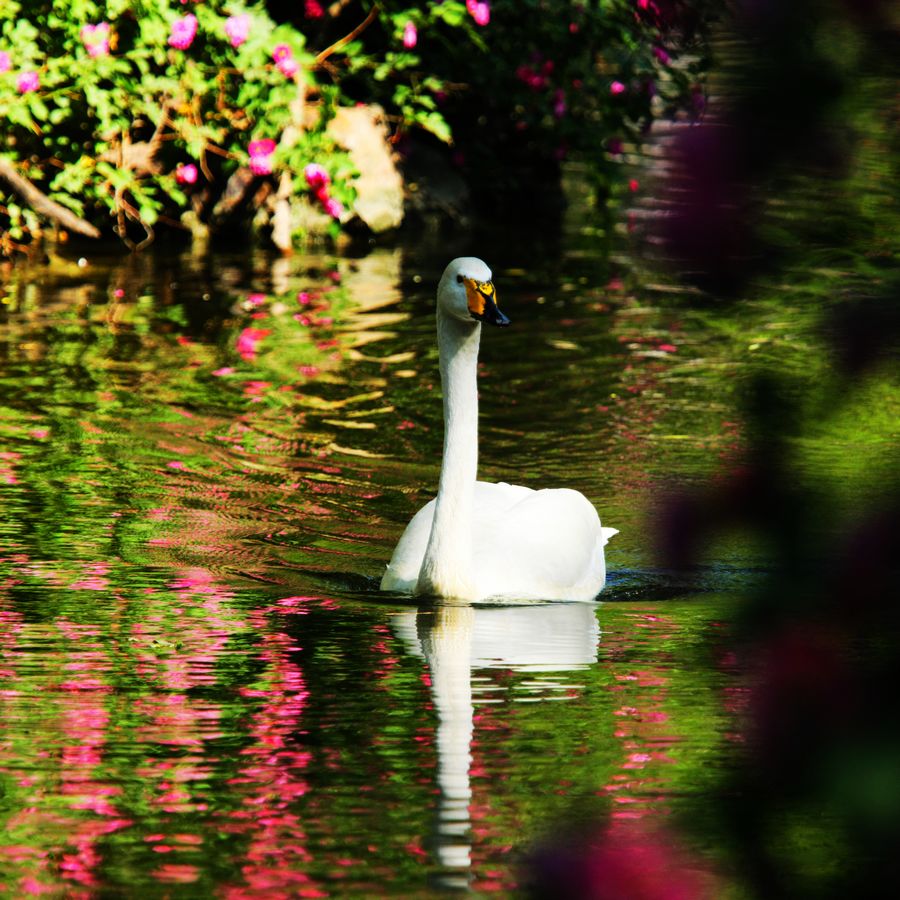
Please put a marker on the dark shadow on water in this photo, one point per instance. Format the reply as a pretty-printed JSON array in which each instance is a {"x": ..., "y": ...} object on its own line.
[
  {"x": 646, "y": 585},
  {"x": 660, "y": 584}
]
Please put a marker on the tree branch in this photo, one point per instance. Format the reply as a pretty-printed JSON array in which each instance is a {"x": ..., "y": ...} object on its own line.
[
  {"x": 369, "y": 19},
  {"x": 41, "y": 203}
]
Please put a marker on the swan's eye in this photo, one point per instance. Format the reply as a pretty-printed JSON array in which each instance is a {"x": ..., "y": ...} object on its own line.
[{"x": 459, "y": 279}]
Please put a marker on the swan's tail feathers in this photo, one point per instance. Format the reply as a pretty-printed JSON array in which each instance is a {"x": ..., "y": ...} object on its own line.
[{"x": 607, "y": 533}]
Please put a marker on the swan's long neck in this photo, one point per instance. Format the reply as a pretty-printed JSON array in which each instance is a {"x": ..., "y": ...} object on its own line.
[{"x": 447, "y": 568}]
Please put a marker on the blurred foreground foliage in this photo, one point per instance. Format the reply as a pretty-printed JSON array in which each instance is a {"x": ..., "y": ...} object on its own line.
[{"x": 794, "y": 204}]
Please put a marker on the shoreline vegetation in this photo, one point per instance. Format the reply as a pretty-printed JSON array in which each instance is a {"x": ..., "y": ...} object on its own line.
[{"x": 133, "y": 118}]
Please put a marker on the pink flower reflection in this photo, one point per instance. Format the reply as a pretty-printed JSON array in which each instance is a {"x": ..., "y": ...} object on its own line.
[
  {"x": 249, "y": 340},
  {"x": 177, "y": 873},
  {"x": 256, "y": 388},
  {"x": 34, "y": 888},
  {"x": 272, "y": 776},
  {"x": 69, "y": 804},
  {"x": 7, "y": 475},
  {"x": 296, "y": 605}
]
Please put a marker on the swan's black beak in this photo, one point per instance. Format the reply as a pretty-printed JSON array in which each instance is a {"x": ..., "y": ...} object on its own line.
[{"x": 482, "y": 300}]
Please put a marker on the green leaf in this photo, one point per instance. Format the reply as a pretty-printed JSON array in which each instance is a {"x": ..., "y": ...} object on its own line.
[
  {"x": 38, "y": 108},
  {"x": 436, "y": 124},
  {"x": 148, "y": 215},
  {"x": 20, "y": 114}
]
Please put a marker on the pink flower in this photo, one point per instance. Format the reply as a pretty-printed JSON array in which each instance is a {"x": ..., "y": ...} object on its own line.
[
  {"x": 96, "y": 39},
  {"x": 318, "y": 179},
  {"x": 186, "y": 174},
  {"x": 237, "y": 29},
  {"x": 333, "y": 208},
  {"x": 316, "y": 176},
  {"x": 281, "y": 52},
  {"x": 288, "y": 67},
  {"x": 533, "y": 79},
  {"x": 284, "y": 60},
  {"x": 617, "y": 88},
  {"x": 261, "y": 156},
  {"x": 480, "y": 12},
  {"x": 661, "y": 55},
  {"x": 312, "y": 9},
  {"x": 28, "y": 81},
  {"x": 633, "y": 185},
  {"x": 410, "y": 35},
  {"x": 559, "y": 103},
  {"x": 5, "y": 61},
  {"x": 183, "y": 32}
]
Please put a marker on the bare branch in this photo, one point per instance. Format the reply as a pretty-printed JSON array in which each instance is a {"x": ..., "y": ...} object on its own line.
[
  {"x": 369, "y": 19},
  {"x": 41, "y": 203}
]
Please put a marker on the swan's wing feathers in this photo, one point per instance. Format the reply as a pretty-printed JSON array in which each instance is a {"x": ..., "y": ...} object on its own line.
[
  {"x": 500, "y": 496},
  {"x": 560, "y": 522},
  {"x": 548, "y": 544},
  {"x": 402, "y": 571}
]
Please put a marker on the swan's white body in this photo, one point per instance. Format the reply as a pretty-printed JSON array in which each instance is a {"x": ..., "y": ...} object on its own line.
[{"x": 480, "y": 541}]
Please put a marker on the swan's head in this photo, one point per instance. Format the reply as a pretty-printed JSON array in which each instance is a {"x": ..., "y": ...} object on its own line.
[{"x": 467, "y": 293}]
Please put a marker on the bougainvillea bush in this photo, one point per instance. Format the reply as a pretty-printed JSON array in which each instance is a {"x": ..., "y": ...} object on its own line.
[
  {"x": 130, "y": 115},
  {"x": 562, "y": 80}
]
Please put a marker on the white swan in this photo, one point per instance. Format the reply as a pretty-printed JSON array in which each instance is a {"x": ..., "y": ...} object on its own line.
[{"x": 475, "y": 540}]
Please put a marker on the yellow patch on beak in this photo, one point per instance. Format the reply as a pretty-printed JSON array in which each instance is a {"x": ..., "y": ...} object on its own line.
[{"x": 478, "y": 294}]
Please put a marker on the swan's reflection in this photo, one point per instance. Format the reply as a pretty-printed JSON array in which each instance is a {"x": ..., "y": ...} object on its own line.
[{"x": 454, "y": 641}]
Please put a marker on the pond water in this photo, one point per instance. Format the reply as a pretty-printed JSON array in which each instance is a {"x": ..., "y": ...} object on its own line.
[
  {"x": 205, "y": 469},
  {"x": 205, "y": 462}
]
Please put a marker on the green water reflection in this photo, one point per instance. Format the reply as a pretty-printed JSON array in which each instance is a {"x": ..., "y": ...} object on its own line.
[{"x": 203, "y": 468}]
